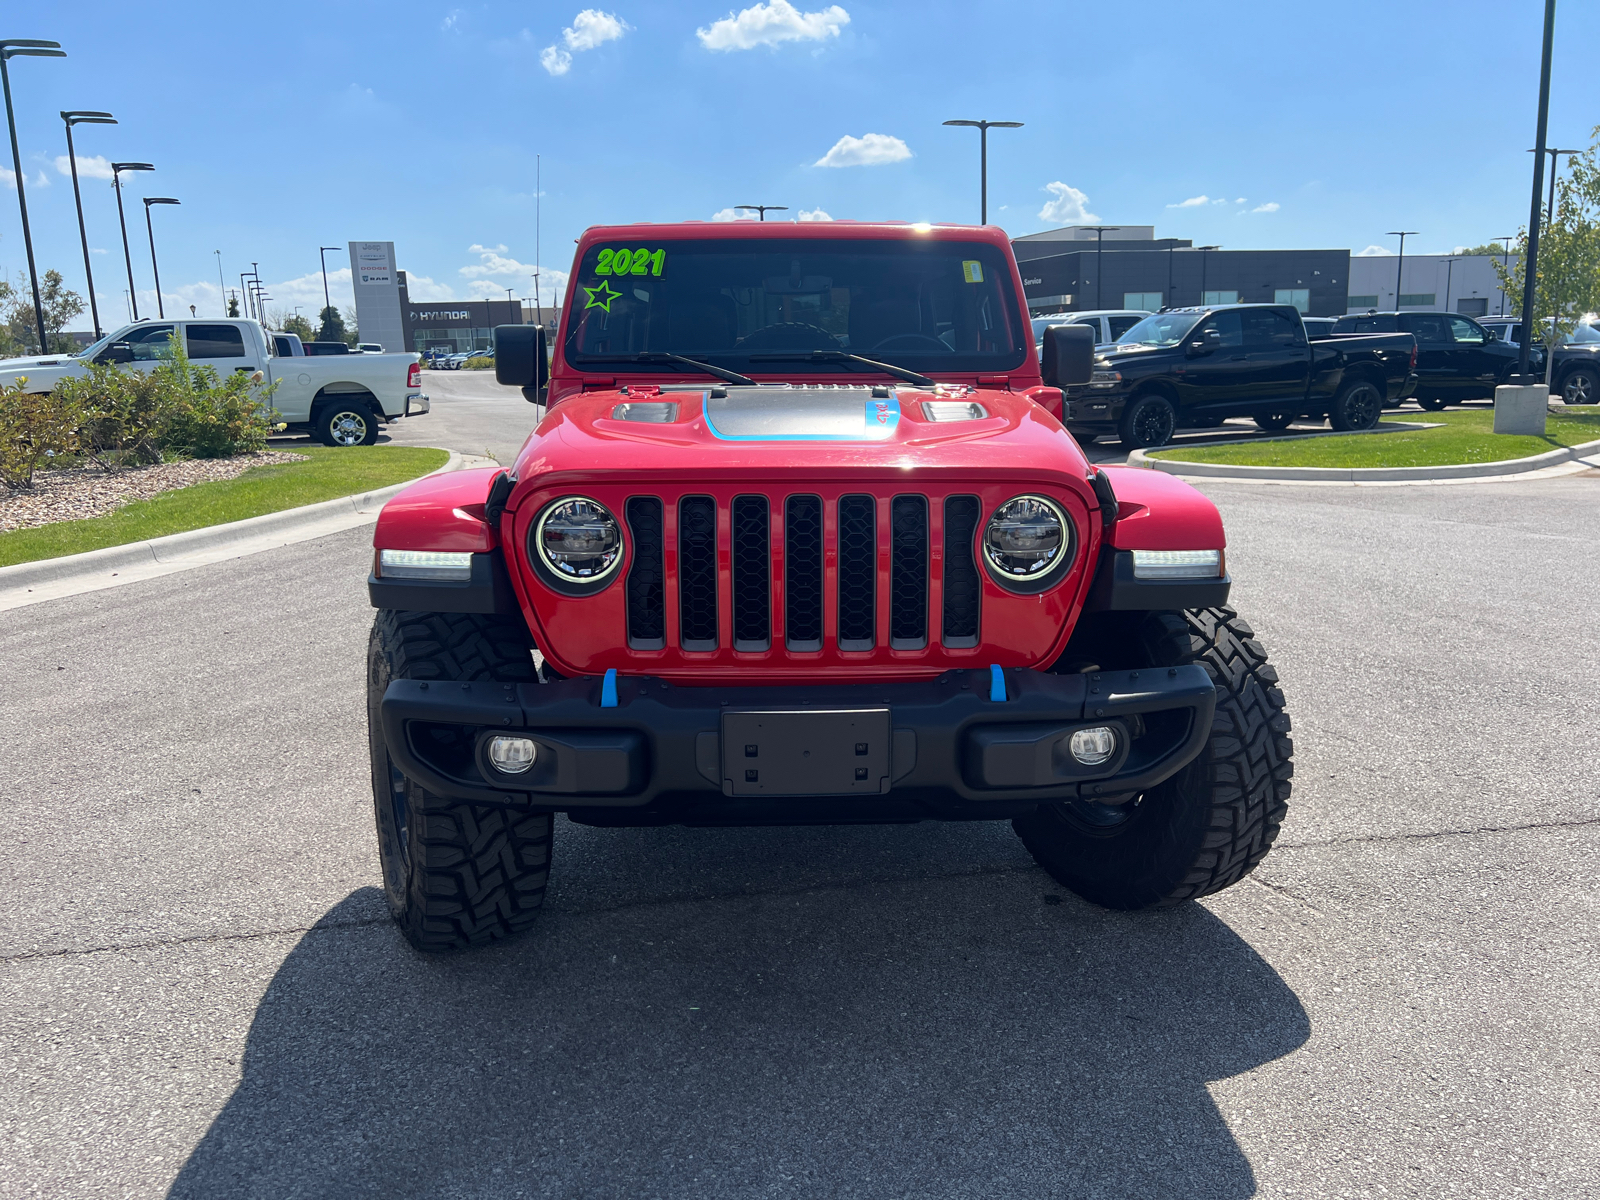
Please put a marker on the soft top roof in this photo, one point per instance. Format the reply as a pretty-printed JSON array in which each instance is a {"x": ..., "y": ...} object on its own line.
[{"x": 789, "y": 230}]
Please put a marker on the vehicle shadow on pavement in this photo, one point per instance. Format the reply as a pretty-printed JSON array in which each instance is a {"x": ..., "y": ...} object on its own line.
[{"x": 972, "y": 1035}]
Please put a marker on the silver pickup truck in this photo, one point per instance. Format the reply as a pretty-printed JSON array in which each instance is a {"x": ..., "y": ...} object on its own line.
[{"x": 341, "y": 400}]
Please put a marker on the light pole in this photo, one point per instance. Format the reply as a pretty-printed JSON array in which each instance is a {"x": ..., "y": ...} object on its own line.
[
  {"x": 151, "y": 229},
  {"x": 84, "y": 118},
  {"x": 1402, "y": 234},
  {"x": 244, "y": 296},
  {"x": 1555, "y": 167},
  {"x": 983, "y": 128},
  {"x": 1449, "y": 270},
  {"x": 222, "y": 286},
  {"x": 763, "y": 209},
  {"x": 322, "y": 252},
  {"x": 127, "y": 257},
  {"x": 1204, "y": 250},
  {"x": 1530, "y": 265},
  {"x": 1507, "y": 239},
  {"x": 1100, "y": 232},
  {"x": 26, "y": 48}
]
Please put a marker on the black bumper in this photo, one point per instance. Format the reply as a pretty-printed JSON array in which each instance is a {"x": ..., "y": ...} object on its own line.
[{"x": 639, "y": 747}]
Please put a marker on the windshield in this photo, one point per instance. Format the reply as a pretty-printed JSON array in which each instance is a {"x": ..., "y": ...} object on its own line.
[
  {"x": 1584, "y": 335},
  {"x": 928, "y": 305},
  {"x": 1160, "y": 329},
  {"x": 94, "y": 348}
]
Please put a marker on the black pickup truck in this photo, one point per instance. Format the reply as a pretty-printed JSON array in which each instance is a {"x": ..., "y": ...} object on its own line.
[
  {"x": 1198, "y": 366},
  {"x": 1576, "y": 374},
  {"x": 1457, "y": 358}
]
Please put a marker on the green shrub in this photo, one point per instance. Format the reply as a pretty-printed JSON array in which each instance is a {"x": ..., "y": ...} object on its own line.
[
  {"x": 208, "y": 417},
  {"x": 34, "y": 428},
  {"x": 121, "y": 415},
  {"x": 479, "y": 362}
]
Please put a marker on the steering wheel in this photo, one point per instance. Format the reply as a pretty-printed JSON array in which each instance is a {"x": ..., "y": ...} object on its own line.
[
  {"x": 912, "y": 342},
  {"x": 789, "y": 335}
]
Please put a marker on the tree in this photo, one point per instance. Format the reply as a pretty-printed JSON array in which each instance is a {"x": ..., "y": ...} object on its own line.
[
  {"x": 1567, "y": 284},
  {"x": 300, "y": 327},
  {"x": 353, "y": 324},
  {"x": 233, "y": 306},
  {"x": 60, "y": 302},
  {"x": 1488, "y": 249},
  {"x": 332, "y": 326}
]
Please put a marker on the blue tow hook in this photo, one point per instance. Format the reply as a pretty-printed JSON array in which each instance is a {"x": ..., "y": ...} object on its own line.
[
  {"x": 997, "y": 684},
  {"x": 608, "y": 689}
]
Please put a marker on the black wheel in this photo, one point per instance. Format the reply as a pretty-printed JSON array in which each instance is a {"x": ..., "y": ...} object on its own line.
[
  {"x": 1582, "y": 387},
  {"x": 1431, "y": 403},
  {"x": 1147, "y": 421},
  {"x": 1273, "y": 422},
  {"x": 454, "y": 875},
  {"x": 1212, "y": 823},
  {"x": 1358, "y": 406},
  {"x": 345, "y": 424}
]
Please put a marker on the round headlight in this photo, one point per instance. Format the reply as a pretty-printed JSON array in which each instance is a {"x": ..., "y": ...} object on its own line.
[
  {"x": 578, "y": 540},
  {"x": 1026, "y": 538}
]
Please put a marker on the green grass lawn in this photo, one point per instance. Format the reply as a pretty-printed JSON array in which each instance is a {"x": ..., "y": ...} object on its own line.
[
  {"x": 331, "y": 473},
  {"x": 1465, "y": 436}
]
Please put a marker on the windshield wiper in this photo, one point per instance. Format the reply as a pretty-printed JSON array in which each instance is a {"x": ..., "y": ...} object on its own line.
[
  {"x": 662, "y": 356},
  {"x": 822, "y": 356}
]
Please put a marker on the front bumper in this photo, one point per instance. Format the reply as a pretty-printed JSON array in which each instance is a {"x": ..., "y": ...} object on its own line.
[{"x": 951, "y": 747}]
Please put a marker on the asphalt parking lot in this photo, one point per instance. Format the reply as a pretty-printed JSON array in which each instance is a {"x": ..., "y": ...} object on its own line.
[{"x": 202, "y": 995}]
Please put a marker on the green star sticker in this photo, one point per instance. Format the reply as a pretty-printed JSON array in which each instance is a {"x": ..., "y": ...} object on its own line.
[{"x": 601, "y": 296}]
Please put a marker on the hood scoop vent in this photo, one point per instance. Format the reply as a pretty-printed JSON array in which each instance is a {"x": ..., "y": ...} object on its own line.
[
  {"x": 838, "y": 413},
  {"x": 653, "y": 412}
]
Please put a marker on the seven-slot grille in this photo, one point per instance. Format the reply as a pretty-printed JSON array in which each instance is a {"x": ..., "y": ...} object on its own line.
[{"x": 861, "y": 536}]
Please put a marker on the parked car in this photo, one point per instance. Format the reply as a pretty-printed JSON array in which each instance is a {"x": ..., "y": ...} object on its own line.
[
  {"x": 340, "y": 403},
  {"x": 1457, "y": 358},
  {"x": 327, "y": 348},
  {"x": 1191, "y": 366},
  {"x": 369, "y": 347},
  {"x": 931, "y": 609},
  {"x": 1108, "y": 324},
  {"x": 287, "y": 345},
  {"x": 1575, "y": 376},
  {"x": 1317, "y": 327}
]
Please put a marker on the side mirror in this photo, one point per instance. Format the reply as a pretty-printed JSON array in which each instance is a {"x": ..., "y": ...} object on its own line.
[
  {"x": 1489, "y": 335},
  {"x": 522, "y": 360},
  {"x": 1209, "y": 341},
  {"x": 117, "y": 352},
  {"x": 1068, "y": 355}
]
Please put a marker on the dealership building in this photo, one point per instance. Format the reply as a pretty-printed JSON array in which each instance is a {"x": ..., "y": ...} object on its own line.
[
  {"x": 1078, "y": 269},
  {"x": 386, "y": 315}
]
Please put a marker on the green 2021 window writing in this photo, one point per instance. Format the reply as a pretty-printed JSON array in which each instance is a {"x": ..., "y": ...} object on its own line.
[{"x": 622, "y": 261}]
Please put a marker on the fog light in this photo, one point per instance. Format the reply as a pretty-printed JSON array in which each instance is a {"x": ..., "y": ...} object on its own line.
[
  {"x": 514, "y": 755},
  {"x": 1093, "y": 746}
]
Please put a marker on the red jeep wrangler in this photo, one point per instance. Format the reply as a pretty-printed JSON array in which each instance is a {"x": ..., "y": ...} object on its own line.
[{"x": 800, "y": 539}]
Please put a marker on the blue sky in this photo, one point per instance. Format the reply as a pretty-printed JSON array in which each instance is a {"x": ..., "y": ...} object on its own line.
[{"x": 284, "y": 129}]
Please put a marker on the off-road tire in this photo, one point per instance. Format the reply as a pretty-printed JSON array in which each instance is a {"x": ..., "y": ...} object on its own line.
[
  {"x": 1358, "y": 406},
  {"x": 350, "y": 423},
  {"x": 1582, "y": 386},
  {"x": 1212, "y": 823},
  {"x": 1273, "y": 422},
  {"x": 1148, "y": 420},
  {"x": 454, "y": 875}
]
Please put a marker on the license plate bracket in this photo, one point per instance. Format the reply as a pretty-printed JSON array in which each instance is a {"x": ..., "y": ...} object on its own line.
[{"x": 805, "y": 752}]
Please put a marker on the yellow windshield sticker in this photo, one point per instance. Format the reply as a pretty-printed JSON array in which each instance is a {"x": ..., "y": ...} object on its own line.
[
  {"x": 601, "y": 296},
  {"x": 619, "y": 260},
  {"x": 972, "y": 270}
]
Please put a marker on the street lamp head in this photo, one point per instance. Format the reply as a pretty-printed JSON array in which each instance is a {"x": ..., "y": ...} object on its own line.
[
  {"x": 1208, "y": 247},
  {"x": 149, "y": 200},
  {"x": 1401, "y": 233},
  {"x": 30, "y": 48},
  {"x": 118, "y": 168},
  {"x": 87, "y": 117},
  {"x": 330, "y": 248}
]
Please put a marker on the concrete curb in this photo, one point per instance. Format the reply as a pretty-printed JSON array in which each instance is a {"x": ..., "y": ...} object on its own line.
[
  {"x": 27, "y": 583},
  {"x": 1510, "y": 466}
]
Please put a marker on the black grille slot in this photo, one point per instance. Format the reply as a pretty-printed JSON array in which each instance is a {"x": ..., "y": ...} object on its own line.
[
  {"x": 908, "y": 573},
  {"x": 858, "y": 571},
  {"x": 697, "y": 572},
  {"x": 962, "y": 589},
  {"x": 647, "y": 592},
  {"x": 802, "y": 557},
  {"x": 752, "y": 573}
]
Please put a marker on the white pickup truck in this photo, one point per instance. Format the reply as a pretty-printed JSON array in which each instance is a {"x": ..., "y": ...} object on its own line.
[{"x": 341, "y": 400}]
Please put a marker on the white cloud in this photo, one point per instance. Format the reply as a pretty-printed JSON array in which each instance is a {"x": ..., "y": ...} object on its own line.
[
  {"x": 97, "y": 167},
  {"x": 8, "y": 177},
  {"x": 427, "y": 291},
  {"x": 1240, "y": 200},
  {"x": 450, "y": 19},
  {"x": 1192, "y": 202},
  {"x": 1070, "y": 206},
  {"x": 1374, "y": 252},
  {"x": 1269, "y": 206},
  {"x": 772, "y": 23},
  {"x": 96, "y": 250},
  {"x": 492, "y": 261},
  {"x": 732, "y": 214},
  {"x": 589, "y": 29},
  {"x": 869, "y": 150},
  {"x": 814, "y": 214}
]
